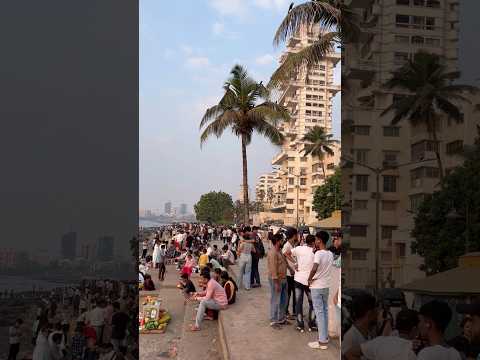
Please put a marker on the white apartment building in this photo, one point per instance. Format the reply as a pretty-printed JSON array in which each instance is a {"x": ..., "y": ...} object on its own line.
[
  {"x": 308, "y": 97},
  {"x": 394, "y": 30}
]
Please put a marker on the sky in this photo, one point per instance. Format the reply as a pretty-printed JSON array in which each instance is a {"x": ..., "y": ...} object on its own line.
[{"x": 187, "y": 49}]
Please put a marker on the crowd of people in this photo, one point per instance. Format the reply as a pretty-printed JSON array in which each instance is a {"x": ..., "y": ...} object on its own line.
[
  {"x": 93, "y": 321},
  {"x": 413, "y": 334}
]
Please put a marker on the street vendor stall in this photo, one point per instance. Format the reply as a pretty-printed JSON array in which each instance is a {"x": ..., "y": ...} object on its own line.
[{"x": 153, "y": 319}]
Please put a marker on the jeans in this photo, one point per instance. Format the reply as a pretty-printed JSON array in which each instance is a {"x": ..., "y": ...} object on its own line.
[
  {"x": 291, "y": 293},
  {"x": 204, "y": 305},
  {"x": 300, "y": 291},
  {"x": 278, "y": 301},
  {"x": 255, "y": 277},
  {"x": 320, "y": 306},
  {"x": 245, "y": 265}
]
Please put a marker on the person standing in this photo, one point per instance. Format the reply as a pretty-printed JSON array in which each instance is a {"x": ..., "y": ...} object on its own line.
[
  {"x": 14, "y": 335},
  {"x": 292, "y": 239},
  {"x": 304, "y": 255},
  {"x": 245, "y": 257},
  {"x": 119, "y": 327},
  {"x": 96, "y": 319},
  {"x": 277, "y": 274},
  {"x": 257, "y": 254},
  {"x": 319, "y": 281},
  {"x": 144, "y": 248},
  {"x": 161, "y": 262}
]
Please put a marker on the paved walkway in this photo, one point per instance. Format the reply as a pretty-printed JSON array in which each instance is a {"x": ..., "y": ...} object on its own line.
[
  {"x": 178, "y": 342},
  {"x": 249, "y": 336}
]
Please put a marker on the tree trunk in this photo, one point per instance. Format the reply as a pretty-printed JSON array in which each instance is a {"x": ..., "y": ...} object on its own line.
[
  {"x": 245, "y": 182},
  {"x": 437, "y": 155}
]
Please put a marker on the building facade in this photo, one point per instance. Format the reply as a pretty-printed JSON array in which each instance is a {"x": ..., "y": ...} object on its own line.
[
  {"x": 308, "y": 97},
  {"x": 402, "y": 155},
  {"x": 69, "y": 245}
]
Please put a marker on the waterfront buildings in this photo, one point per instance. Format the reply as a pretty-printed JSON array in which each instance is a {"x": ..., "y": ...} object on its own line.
[
  {"x": 393, "y": 31},
  {"x": 168, "y": 208},
  {"x": 69, "y": 245},
  {"x": 308, "y": 97}
]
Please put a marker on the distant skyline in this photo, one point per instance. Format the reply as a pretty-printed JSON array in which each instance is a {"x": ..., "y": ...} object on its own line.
[{"x": 182, "y": 71}]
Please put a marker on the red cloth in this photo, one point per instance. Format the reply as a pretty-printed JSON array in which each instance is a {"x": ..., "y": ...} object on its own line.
[
  {"x": 187, "y": 270},
  {"x": 89, "y": 332}
]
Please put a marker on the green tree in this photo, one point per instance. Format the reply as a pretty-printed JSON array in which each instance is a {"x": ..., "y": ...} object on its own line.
[
  {"x": 215, "y": 207},
  {"x": 431, "y": 94},
  {"x": 261, "y": 195},
  {"x": 318, "y": 143},
  {"x": 440, "y": 238},
  {"x": 245, "y": 108},
  {"x": 328, "y": 197},
  {"x": 270, "y": 195},
  {"x": 339, "y": 24}
]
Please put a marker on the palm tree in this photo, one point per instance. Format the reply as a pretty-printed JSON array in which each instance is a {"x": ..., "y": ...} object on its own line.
[
  {"x": 338, "y": 23},
  {"x": 318, "y": 143},
  {"x": 430, "y": 95},
  {"x": 245, "y": 108}
]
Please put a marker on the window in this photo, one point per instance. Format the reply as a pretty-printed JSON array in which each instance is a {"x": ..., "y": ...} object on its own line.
[
  {"x": 361, "y": 156},
  {"x": 362, "y": 130},
  {"x": 403, "y": 2},
  {"x": 386, "y": 255},
  {"x": 360, "y": 204},
  {"x": 303, "y": 171},
  {"x": 418, "y": 40},
  {"x": 390, "y": 156},
  {"x": 303, "y": 159},
  {"x": 392, "y": 131},
  {"x": 454, "y": 147},
  {"x": 289, "y": 211},
  {"x": 389, "y": 205},
  {"x": 387, "y": 232},
  {"x": 290, "y": 170},
  {"x": 303, "y": 181},
  {"x": 389, "y": 183},
  {"x": 290, "y": 189},
  {"x": 402, "y": 20},
  {"x": 289, "y": 201},
  {"x": 400, "y": 57},
  {"x": 361, "y": 183},
  {"x": 419, "y": 149},
  {"x": 330, "y": 166},
  {"x": 415, "y": 201},
  {"x": 291, "y": 181},
  {"x": 358, "y": 230},
  {"x": 430, "y": 21},
  {"x": 400, "y": 250},
  {"x": 359, "y": 254}
]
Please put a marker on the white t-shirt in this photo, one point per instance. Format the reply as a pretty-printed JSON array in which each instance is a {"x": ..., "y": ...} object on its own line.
[
  {"x": 304, "y": 255},
  {"x": 321, "y": 279},
  {"x": 209, "y": 250},
  {"x": 288, "y": 247},
  {"x": 96, "y": 316},
  {"x": 388, "y": 348},
  {"x": 352, "y": 338},
  {"x": 438, "y": 352}
]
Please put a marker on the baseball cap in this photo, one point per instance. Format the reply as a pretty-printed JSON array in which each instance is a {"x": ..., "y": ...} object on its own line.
[{"x": 472, "y": 308}]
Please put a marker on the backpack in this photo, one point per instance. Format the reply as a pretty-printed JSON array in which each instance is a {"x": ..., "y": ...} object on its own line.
[{"x": 259, "y": 249}]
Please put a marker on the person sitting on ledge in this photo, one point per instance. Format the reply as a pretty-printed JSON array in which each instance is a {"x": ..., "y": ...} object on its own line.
[
  {"x": 230, "y": 287},
  {"x": 214, "y": 298},
  {"x": 148, "y": 284}
]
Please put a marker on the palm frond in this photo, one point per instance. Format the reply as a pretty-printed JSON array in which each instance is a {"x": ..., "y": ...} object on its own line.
[
  {"x": 217, "y": 127},
  {"x": 269, "y": 131}
]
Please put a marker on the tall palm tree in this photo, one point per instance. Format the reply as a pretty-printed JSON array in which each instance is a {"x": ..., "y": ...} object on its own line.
[
  {"x": 338, "y": 24},
  {"x": 245, "y": 108},
  {"x": 318, "y": 143},
  {"x": 430, "y": 94}
]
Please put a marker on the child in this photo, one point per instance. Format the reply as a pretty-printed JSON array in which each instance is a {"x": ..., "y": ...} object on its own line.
[
  {"x": 189, "y": 265},
  {"x": 187, "y": 286},
  {"x": 148, "y": 284},
  {"x": 79, "y": 343},
  {"x": 203, "y": 260}
]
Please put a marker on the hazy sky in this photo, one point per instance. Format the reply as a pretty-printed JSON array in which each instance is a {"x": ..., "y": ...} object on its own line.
[{"x": 186, "y": 51}]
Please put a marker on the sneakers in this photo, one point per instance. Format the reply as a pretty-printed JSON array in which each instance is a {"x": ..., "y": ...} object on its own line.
[
  {"x": 300, "y": 329},
  {"x": 318, "y": 345}
]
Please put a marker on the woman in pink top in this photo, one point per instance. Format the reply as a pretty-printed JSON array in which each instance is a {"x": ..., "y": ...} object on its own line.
[{"x": 214, "y": 297}]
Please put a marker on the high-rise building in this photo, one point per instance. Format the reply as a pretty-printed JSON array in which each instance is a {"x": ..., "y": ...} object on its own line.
[
  {"x": 69, "y": 245},
  {"x": 308, "y": 97},
  {"x": 168, "y": 208},
  {"x": 407, "y": 172},
  {"x": 105, "y": 247},
  {"x": 183, "y": 209}
]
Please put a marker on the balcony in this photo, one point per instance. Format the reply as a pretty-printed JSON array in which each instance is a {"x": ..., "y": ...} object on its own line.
[{"x": 280, "y": 158}]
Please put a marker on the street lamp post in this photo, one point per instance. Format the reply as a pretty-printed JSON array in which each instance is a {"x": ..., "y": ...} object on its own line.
[{"x": 378, "y": 171}]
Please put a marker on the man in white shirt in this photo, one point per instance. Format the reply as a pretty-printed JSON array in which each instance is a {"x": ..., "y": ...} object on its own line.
[
  {"x": 14, "y": 335},
  {"x": 390, "y": 347},
  {"x": 365, "y": 315},
  {"x": 96, "y": 318},
  {"x": 304, "y": 259},
  {"x": 319, "y": 281},
  {"x": 434, "y": 319}
]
